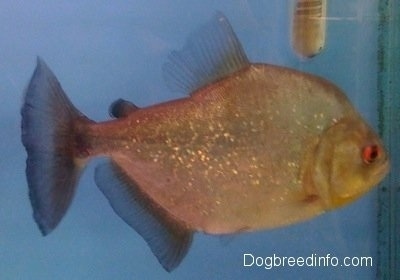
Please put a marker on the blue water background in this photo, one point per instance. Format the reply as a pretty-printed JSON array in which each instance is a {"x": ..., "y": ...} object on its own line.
[{"x": 103, "y": 50}]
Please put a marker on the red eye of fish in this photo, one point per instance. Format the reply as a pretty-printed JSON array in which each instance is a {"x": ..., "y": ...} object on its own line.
[{"x": 370, "y": 153}]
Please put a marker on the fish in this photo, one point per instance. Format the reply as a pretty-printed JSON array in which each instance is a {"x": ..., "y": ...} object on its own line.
[{"x": 249, "y": 146}]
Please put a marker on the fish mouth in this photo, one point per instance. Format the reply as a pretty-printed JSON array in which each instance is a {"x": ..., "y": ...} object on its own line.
[
  {"x": 384, "y": 168},
  {"x": 380, "y": 172}
]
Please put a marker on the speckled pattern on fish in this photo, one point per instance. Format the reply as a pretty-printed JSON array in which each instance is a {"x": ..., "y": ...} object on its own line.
[{"x": 251, "y": 146}]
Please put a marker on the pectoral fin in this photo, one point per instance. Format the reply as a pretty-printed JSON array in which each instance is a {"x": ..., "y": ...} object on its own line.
[{"x": 168, "y": 239}]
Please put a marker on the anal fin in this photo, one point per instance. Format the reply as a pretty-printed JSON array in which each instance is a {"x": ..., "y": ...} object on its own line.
[{"x": 168, "y": 239}]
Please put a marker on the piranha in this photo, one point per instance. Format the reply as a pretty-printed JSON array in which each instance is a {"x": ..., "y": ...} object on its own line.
[{"x": 251, "y": 146}]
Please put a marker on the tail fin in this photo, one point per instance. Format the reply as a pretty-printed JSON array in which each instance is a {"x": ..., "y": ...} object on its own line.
[{"x": 49, "y": 122}]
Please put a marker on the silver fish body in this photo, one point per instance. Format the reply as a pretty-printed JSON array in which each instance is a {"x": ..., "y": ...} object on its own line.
[
  {"x": 254, "y": 146},
  {"x": 249, "y": 136}
]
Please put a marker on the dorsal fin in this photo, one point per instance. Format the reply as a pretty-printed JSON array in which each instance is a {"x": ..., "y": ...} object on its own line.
[{"x": 210, "y": 53}]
